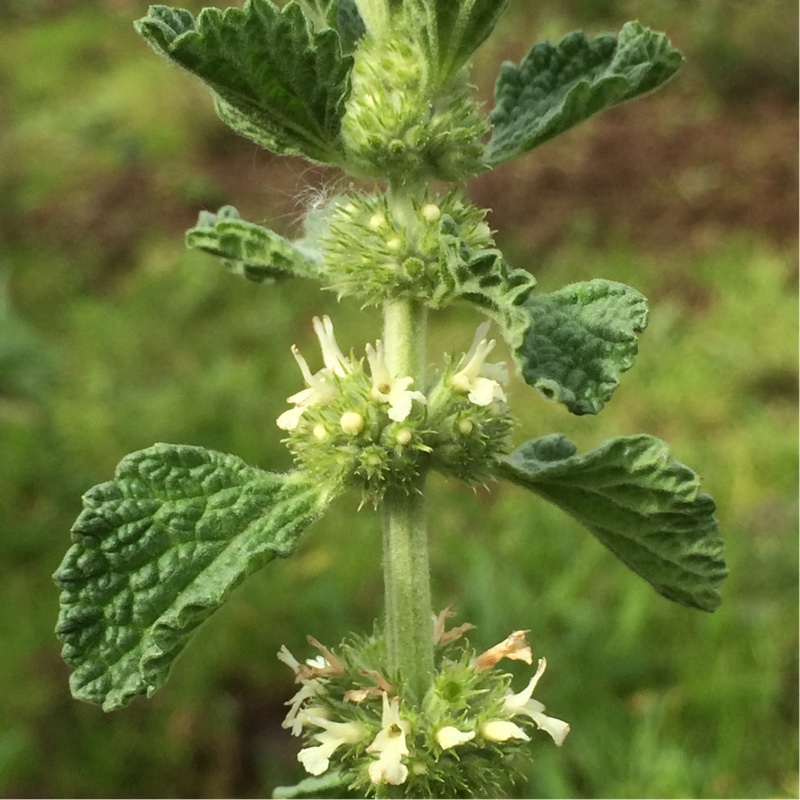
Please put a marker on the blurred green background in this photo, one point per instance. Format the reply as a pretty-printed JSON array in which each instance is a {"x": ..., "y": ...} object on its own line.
[{"x": 113, "y": 337}]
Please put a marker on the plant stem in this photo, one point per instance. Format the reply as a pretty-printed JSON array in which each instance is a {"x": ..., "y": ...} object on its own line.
[{"x": 408, "y": 628}]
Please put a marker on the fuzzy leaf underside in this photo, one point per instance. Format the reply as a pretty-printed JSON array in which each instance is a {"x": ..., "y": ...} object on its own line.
[
  {"x": 247, "y": 249},
  {"x": 156, "y": 551},
  {"x": 275, "y": 80},
  {"x": 578, "y": 340},
  {"x": 453, "y": 31},
  {"x": 557, "y": 86},
  {"x": 641, "y": 503}
]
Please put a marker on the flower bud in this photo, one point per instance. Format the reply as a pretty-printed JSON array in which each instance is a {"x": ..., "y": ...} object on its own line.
[{"x": 352, "y": 423}]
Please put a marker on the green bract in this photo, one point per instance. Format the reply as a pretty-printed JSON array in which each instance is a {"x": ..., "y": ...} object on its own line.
[
  {"x": 639, "y": 502},
  {"x": 157, "y": 550}
]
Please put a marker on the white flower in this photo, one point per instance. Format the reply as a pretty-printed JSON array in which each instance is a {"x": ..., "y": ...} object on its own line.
[
  {"x": 334, "y": 734},
  {"x": 331, "y": 354},
  {"x": 523, "y": 703},
  {"x": 390, "y": 743},
  {"x": 321, "y": 387},
  {"x": 295, "y": 718},
  {"x": 476, "y": 379},
  {"x": 386, "y": 389},
  {"x": 501, "y": 730},
  {"x": 448, "y": 737}
]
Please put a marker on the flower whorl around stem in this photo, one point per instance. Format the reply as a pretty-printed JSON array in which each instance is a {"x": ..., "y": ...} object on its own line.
[{"x": 356, "y": 720}]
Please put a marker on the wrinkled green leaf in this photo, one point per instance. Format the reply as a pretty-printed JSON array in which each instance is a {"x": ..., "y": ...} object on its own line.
[
  {"x": 452, "y": 31},
  {"x": 157, "y": 550},
  {"x": 275, "y": 79},
  {"x": 641, "y": 503},
  {"x": 578, "y": 341},
  {"x": 247, "y": 249},
  {"x": 558, "y": 86}
]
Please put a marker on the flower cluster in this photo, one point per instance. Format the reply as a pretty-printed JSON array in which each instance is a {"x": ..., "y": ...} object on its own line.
[
  {"x": 371, "y": 254},
  {"x": 399, "y": 123},
  {"x": 355, "y": 722},
  {"x": 370, "y": 428}
]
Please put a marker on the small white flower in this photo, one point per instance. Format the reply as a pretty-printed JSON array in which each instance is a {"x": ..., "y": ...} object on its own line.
[
  {"x": 390, "y": 743},
  {"x": 501, "y": 730},
  {"x": 295, "y": 719},
  {"x": 331, "y": 354},
  {"x": 523, "y": 703},
  {"x": 320, "y": 386},
  {"x": 448, "y": 737},
  {"x": 386, "y": 389},
  {"x": 334, "y": 734},
  {"x": 476, "y": 379}
]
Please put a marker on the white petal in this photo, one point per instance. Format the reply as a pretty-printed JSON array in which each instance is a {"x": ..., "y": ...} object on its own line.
[
  {"x": 557, "y": 728},
  {"x": 501, "y": 730},
  {"x": 331, "y": 354},
  {"x": 450, "y": 736},
  {"x": 515, "y": 703},
  {"x": 483, "y": 391},
  {"x": 290, "y": 419},
  {"x": 316, "y": 759}
]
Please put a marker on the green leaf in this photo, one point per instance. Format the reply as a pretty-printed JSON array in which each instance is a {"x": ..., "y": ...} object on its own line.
[
  {"x": 558, "y": 86},
  {"x": 247, "y": 249},
  {"x": 275, "y": 79},
  {"x": 452, "y": 31},
  {"x": 579, "y": 339},
  {"x": 157, "y": 550},
  {"x": 641, "y": 503}
]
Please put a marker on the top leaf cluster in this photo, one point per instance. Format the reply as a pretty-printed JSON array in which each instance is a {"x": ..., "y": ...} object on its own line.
[{"x": 288, "y": 78}]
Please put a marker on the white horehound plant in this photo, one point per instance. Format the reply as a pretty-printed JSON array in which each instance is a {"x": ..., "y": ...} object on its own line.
[{"x": 379, "y": 89}]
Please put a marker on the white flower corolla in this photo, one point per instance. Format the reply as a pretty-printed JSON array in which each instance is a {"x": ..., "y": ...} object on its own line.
[
  {"x": 295, "y": 719},
  {"x": 297, "y": 716},
  {"x": 390, "y": 744},
  {"x": 320, "y": 386},
  {"x": 386, "y": 389},
  {"x": 501, "y": 730},
  {"x": 476, "y": 379},
  {"x": 523, "y": 703},
  {"x": 449, "y": 736},
  {"x": 316, "y": 759},
  {"x": 332, "y": 356}
]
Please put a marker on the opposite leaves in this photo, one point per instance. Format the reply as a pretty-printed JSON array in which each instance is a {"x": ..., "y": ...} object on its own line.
[
  {"x": 157, "y": 550},
  {"x": 275, "y": 79},
  {"x": 578, "y": 341},
  {"x": 558, "y": 86},
  {"x": 639, "y": 502}
]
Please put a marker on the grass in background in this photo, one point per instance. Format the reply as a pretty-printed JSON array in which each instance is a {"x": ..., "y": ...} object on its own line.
[{"x": 112, "y": 338}]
